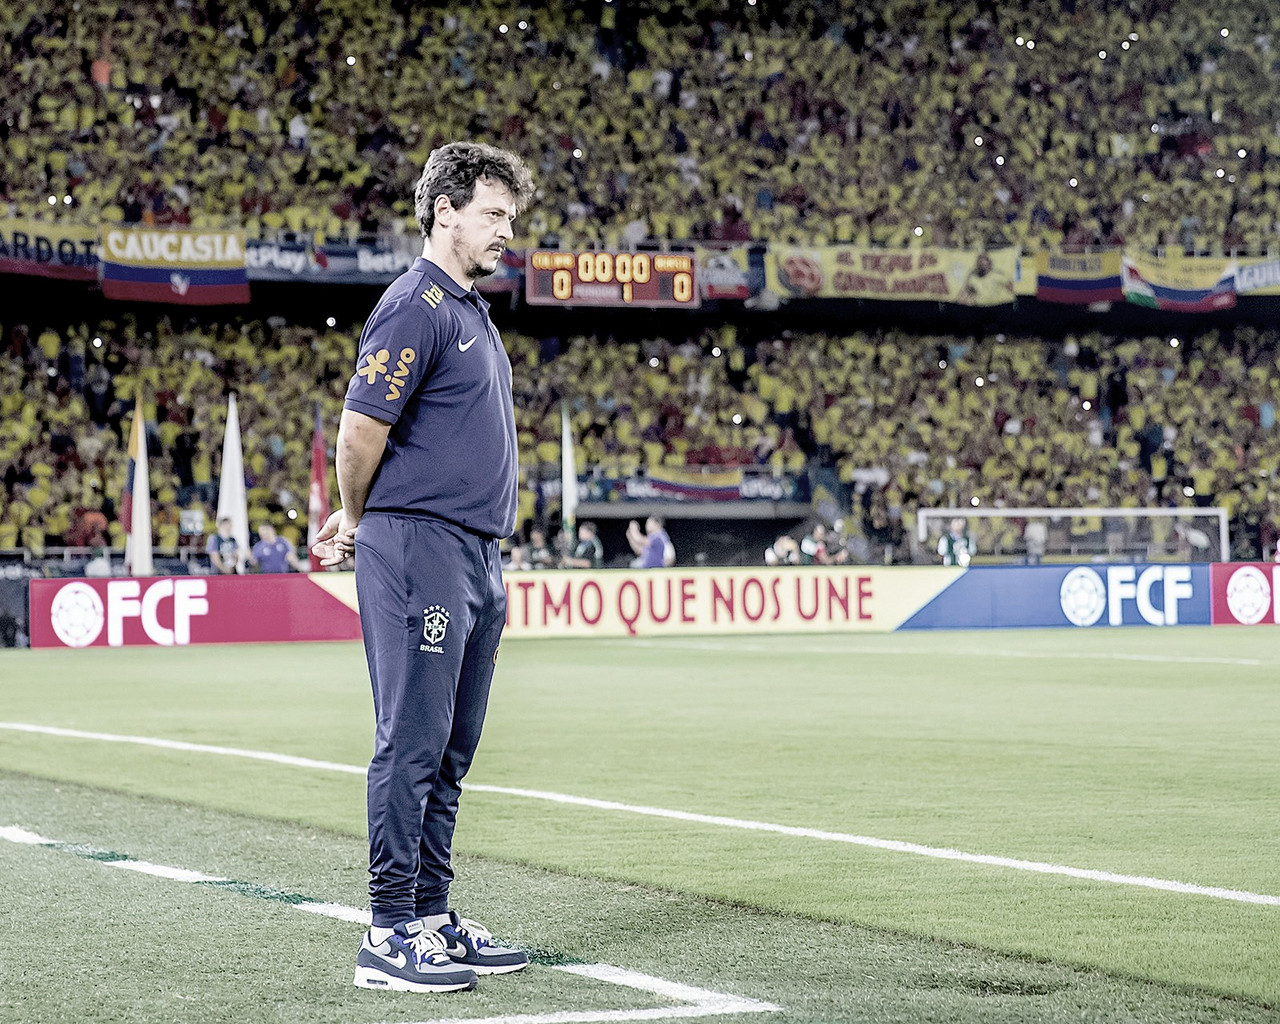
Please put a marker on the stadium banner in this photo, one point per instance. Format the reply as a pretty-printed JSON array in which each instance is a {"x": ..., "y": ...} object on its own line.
[
  {"x": 724, "y": 273},
  {"x": 993, "y": 597},
  {"x": 1078, "y": 278},
  {"x": 1257, "y": 276},
  {"x": 1245, "y": 593},
  {"x": 374, "y": 264},
  {"x": 910, "y": 275},
  {"x": 184, "y": 610},
  {"x": 703, "y": 601},
  {"x": 672, "y": 483},
  {"x": 186, "y": 267},
  {"x": 181, "y": 610},
  {"x": 1179, "y": 283},
  {"x": 68, "y": 252},
  {"x": 679, "y": 484}
]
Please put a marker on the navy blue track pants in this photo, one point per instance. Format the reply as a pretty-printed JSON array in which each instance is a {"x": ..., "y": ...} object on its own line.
[{"x": 432, "y": 608}]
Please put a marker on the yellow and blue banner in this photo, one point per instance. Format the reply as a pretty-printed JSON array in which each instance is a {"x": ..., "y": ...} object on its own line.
[
  {"x": 1178, "y": 283},
  {"x": 675, "y": 483},
  {"x": 39, "y": 248},
  {"x": 1078, "y": 278},
  {"x": 196, "y": 268}
]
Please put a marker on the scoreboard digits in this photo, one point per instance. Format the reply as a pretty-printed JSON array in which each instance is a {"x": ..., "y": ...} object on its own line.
[{"x": 599, "y": 278}]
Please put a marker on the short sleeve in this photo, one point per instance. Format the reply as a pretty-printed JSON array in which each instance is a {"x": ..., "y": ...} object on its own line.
[{"x": 397, "y": 350}]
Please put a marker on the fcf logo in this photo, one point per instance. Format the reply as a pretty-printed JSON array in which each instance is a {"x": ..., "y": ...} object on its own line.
[{"x": 78, "y": 614}]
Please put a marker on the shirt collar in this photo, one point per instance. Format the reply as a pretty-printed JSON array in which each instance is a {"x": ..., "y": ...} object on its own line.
[{"x": 422, "y": 265}]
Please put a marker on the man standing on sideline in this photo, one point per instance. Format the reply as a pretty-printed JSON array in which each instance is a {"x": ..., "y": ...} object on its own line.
[
  {"x": 273, "y": 553},
  {"x": 588, "y": 553},
  {"x": 956, "y": 546},
  {"x": 223, "y": 549},
  {"x": 426, "y": 463},
  {"x": 653, "y": 548}
]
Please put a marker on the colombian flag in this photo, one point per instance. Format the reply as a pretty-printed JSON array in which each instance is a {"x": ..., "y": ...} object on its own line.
[
  {"x": 192, "y": 268},
  {"x": 1078, "y": 279}
]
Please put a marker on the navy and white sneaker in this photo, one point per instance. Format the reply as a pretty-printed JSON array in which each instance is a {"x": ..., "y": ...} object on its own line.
[
  {"x": 413, "y": 959},
  {"x": 470, "y": 945}
]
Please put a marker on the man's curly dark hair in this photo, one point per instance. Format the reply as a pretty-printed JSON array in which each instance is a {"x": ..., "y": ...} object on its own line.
[{"x": 453, "y": 171}]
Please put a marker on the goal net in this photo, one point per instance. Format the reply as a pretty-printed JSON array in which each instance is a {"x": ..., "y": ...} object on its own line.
[{"x": 1078, "y": 534}]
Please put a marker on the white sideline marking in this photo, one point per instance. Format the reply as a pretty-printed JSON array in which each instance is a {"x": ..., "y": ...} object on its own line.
[
  {"x": 700, "y": 1002},
  {"x": 194, "y": 748},
  {"x": 714, "y": 645},
  {"x": 14, "y": 834},
  {"x": 893, "y": 845},
  {"x": 338, "y": 912},
  {"x": 163, "y": 871}
]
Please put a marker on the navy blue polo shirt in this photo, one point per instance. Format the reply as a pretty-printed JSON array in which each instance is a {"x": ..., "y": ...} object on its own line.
[{"x": 432, "y": 365}]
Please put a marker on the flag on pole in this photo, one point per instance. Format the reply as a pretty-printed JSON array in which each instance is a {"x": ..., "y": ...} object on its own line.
[
  {"x": 318, "y": 502},
  {"x": 568, "y": 480},
  {"x": 135, "y": 503},
  {"x": 233, "y": 503}
]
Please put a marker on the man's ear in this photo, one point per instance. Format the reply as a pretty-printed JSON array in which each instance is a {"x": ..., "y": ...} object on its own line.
[{"x": 443, "y": 208}]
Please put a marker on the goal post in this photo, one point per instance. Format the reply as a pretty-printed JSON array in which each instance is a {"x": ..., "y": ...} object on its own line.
[{"x": 1093, "y": 534}]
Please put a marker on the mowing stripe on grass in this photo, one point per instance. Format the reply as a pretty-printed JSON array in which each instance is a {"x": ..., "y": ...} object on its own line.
[
  {"x": 701, "y": 1002},
  {"x": 893, "y": 845},
  {"x": 671, "y": 643}
]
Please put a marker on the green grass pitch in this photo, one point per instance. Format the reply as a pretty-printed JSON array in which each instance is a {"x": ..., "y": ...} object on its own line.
[{"x": 1139, "y": 754}]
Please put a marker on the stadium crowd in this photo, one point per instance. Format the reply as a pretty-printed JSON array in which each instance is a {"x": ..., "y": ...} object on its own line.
[
  {"x": 911, "y": 122},
  {"x": 878, "y": 424}
]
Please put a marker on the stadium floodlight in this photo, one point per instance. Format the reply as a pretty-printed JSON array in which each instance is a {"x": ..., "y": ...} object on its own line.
[{"x": 1152, "y": 534}]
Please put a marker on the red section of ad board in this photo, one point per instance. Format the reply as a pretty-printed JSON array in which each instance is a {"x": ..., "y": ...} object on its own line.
[
  {"x": 1244, "y": 593},
  {"x": 179, "y": 610}
]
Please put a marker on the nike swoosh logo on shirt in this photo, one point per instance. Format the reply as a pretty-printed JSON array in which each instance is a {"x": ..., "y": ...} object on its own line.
[{"x": 464, "y": 345}]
